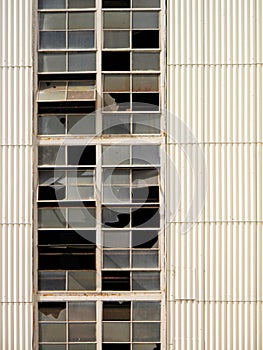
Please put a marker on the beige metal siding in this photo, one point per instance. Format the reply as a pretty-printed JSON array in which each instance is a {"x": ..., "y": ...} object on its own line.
[
  {"x": 16, "y": 175},
  {"x": 214, "y": 270}
]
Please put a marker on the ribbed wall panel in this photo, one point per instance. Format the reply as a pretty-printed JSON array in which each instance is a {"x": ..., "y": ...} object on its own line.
[
  {"x": 15, "y": 33},
  {"x": 214, "y": 32},
  {"x": 16, "y": 326},
  {"x": 217, "y": 103},
  {"x": 16, "y": 106}
]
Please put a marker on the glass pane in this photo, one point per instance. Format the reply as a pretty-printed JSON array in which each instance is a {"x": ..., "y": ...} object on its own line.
[
  {"x": 51, "y": 280},
  {"x": 115, "y": 155},
  {"x": 82, "y": 347},
  {"x": 145, "y": 39},
  {"x": 116, "y": 124},
  {"x": 145, "y": 259},
  {"x": 51, "y": 62},
  {"x": 146, "y": 311},
  {"x": 116, "y": 311},
  {"x": 116, "y": 102},
  {"x": 116, "y": 176},
  {"x": 119, "y": 217},
  {"x": 145, "y": 177},
  {"x": 145, "y": 239},
  {"x": 146, "y": 217},
  {"x": 116, "y": 259},
  {"x": 80, "y": 61},
  {"x": 81, "y": 192},
  {"x": 116, "y": 39},
  {"x": 52, "y": 21},
  {"x": 82, "y": 311},
  {"x": 51, "y": 125},
  {"x": 52, "y": 40},
  {"x": 82, "y": 217},
  {"x": 52, "y": 347},
  {"x": 51, "y": 155},
  {"x": 145, "y": 19},
  {"x": 146, "y": 281},
  {"x": 81, "y": 90},
  {"x": 146, "y": 3},
  {"x": 81, "y": 40},
  {"x": 51, "y": 4},
  {"x": 146, "y": 124},
  {"x": 116, "y": 82},
  {"x": 146, "y": 154},
  {"x": 116, "y": 20},
  {"x": 80, "y": 177},
  {"x": 79, "y": 124},
  {"x": 80, "y": 332},
  {"x": 146, "y": 331},
  {"x": 81, "y": 3},
  {"x": 153, "y": 346},
  {"x": 116, "y": 331},
  {"x": 145, "y": 82},
  {"x": 52, "y": 90},
  {"x": 51, "y": 311},
  {"x": 82, "y": 280},
  {"x": 48, "y": 177},
  {"x": 52, "y": 332},
  {"x": 116, "y": 194},
  {"x": 146, "y": 61},
  {"x": 81, "y": 20},
  {"x": 51, "y": 218},
  {"x": 116, "y": 239}
]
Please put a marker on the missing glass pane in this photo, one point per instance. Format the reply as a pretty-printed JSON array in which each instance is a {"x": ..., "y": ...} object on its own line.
[
  {"x": 81, "y": 155},
  {"x": 145, "y": 39},
  {"x": 145, "y": 101},
  {"x": 115, "y": 61},
  {"x": 54, "y": 193},
  {"x": 112, "y": 280},
  {"x": 146, "y": 217},
  {"x": 115, "y": 3},
  {"x": 116, "y": 310},
  {"x": 121, "y": 346},
  {"x": 52, "y": 311},
  {"x": 118, "y": 218},
  {"x": 116, "y": 102}
]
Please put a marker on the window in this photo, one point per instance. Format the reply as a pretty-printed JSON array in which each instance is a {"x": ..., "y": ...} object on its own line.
[{"x": 100, "y": 97}]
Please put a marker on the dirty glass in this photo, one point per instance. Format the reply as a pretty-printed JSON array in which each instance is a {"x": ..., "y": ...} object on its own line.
[
  {"x": 53, "y": 218},
  {"x": 146, "y": 124},
  {"x": 114, "y": 155},
  {"x": 116, "y": 39},
  {"x": 116, "y": 239},
  {"x": 51, "y": 280},
  {"x": 52, "y": 62},
  {"x": 116, "y": 259},
  {"x": 116, "y": 82},
  {"x": 81, "y": 20},
  {"x": 82, "y": 311},
  {"x": 146, "y": 61},
  {"x": 145, "y": 281},
  {"x": 116, "y": 311},
  {"x": 146, "y": 154},
  {"x": 81, "y": 61},
  {"x": 146, "y": 311},
  {"x": 80, "y": 332},
  {"x": 81, "y": 3},
  {"x": 82, "y": 217},
  {"x": 51, "y": 155},
  {"x": 145, "y": 82},
  {"x": 51, "y": 4},
  {"x": 81, "y": 124},
  {"x": 116, "y": 124},
  {"x": 82, "y": 280},
  {"x": 146, "y": 3},
  {"x": 146, "y": 332},
  {"x": 116, "y": 332},
  {"x": 143, "y": 19},
  {"x": 51, "y": 332},
  {"x": 52, "y": 40},
  {"x": 116, "y": 20},
  {"x": 52, "y": 21},
  {"x": 51, "y": 125},
  {"x": 145, "y": 259},
  {"x": 81, "y": 39}
]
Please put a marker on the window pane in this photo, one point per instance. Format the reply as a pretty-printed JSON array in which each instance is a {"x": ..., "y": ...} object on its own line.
[
  {"x": 117, "y": 82},
  {"x": 142, "y": 20},
  {"x": 115, "y": 3},
  {"x": 115, "y": 155},
  {"x": 116, "y": 176},
  {"x": 116, "y": 311},
  {"x": 145, "y": 239},
  {"x": 51, "y": 155},
  {"x": 116, "y": 20},
  {"x": 145, "y": 281},
  {"x": 81, "y": 40},
  {"x": 52, "y": 347},
  {"x": 80, "y": 332},
  {"x": 116, "y": 102},
  {"x": 53, "y": 218},
  {"x": 146, "y": 124},
  {"x": 82, "y": 280},
  {"x": 116, "y": 239},
  {"x": 52, "y": 40},
  {"x": 116, "y": 259},
  {"x": 146, "y": 311},
  {"x": 52, "y": 21},
  {"x": 145, "y": 82},
  {"x": 51, "y": 125},
  {"x": 115, "y": 194},
  {"x": 52, "y": 90},
  {"x": 52, "y": 332},
  {"x": 82, "y": 311},
  {"x": 82, "y": 347},
  {"x": 119, "y": 217},
  {"x": 51, "y": 177},
  {"x": 145, "y": 259},
  {"x": 146, "y": 61},
  {"x": 146, "y": 332},
  {"x": 80, "y": 61},
  {"x": 51, "y": 4},
  {"x": 82, "y": 217},
  {"x": 51, "y": 280},
  {"x": 78, "y": 124},
  {"x": 81, "y": 20},
  {"x": 116, "y": 124},
  {"x": 116, "y": 331},
  {"x": 81, "y": 3},
  {"x": 80, "y": 192},
  {"x": 146, "y": 217},
  {"x": 144, "y": 177},
  {"x": 116, "y": 39},
  {"x": 146, "y": 155},
  {"x": 81, "y": 177},
  {"x": 146, "y": 3},
  {"x": 145, "y": 39},
  {"x": 51, "y": 62},
  {"x": 52, "y": 311}
]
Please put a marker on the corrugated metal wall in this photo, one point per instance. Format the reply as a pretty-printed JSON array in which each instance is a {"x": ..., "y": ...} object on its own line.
[
  {"x": 16, "y": 175},
  {"x": 215, "y": 293}
]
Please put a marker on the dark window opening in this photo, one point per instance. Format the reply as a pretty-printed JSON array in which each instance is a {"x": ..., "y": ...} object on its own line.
[
  {"x": 115, "y": 61},
  {"x": 66, "y": 237},
  {"x": 145, "y": 194},
  {"x": 146, "y": 217},
  {"x": 50, "y": 308},
  {"x": 67, "y": 258},
  {"x": 81, "y": 155},
  {"x": 112, "y": 280},
  {"x": 116, "y": 4},
  {"x": 116, "y": 219},
  {"x": 66, "y": 107},
  {"x": 51, "y": 193},
  {"x": 116, "y": 311},
  {"x": 145, "y": 101},
  {"x": 116, "y": 346},
  {"x": 145, "y": 39}
]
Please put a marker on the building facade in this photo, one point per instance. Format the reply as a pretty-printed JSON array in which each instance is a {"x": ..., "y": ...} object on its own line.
[{"x": 131, "y": 140}]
